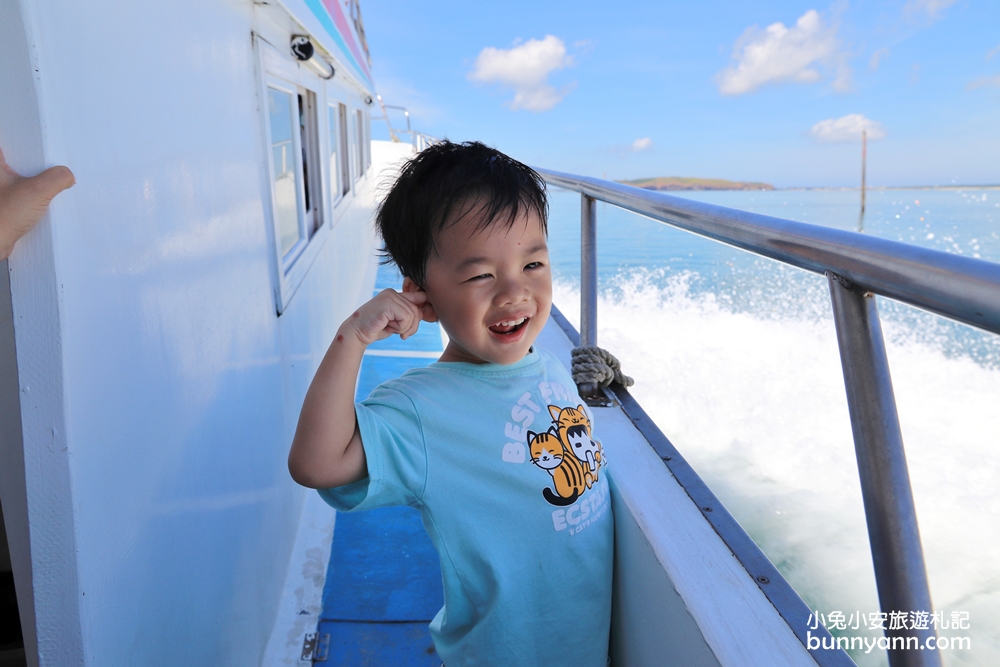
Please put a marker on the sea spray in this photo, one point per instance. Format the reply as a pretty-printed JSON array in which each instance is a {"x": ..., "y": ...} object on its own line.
[{"x": 752, "y": 393}]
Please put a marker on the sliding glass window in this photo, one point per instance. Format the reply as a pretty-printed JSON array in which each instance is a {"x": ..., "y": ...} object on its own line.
[{"x": 285, "y": 168}]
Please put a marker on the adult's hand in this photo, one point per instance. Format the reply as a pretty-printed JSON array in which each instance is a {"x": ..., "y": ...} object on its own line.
[{"x": 23, "y": 201}]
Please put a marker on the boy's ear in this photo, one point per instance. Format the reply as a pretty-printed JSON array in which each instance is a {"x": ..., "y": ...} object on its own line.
[{"x": 427, "y": 310}]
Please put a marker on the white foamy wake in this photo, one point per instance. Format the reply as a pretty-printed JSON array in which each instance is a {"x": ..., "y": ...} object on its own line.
[{"x": 756, "y": 404}]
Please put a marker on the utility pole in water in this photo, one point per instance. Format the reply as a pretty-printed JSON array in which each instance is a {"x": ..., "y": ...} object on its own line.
[{"x": 864, "y": 159}]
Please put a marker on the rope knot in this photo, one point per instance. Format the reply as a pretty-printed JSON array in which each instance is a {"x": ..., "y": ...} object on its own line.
[{"x": 595, "y": 365}]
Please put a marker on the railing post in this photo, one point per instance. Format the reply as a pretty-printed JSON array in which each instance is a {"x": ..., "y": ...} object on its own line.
[
  {"x": 588, "y": 271},
  {"x": 885, "y": 482},
  {"x": 588, "y": 282}
]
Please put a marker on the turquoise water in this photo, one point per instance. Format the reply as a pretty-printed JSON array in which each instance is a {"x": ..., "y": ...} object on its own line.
[
  {"x": 633, "y": 248},
  {"x": 736, "y": 358}
]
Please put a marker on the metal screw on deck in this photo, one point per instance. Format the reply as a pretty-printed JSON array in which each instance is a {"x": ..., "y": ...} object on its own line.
[{"x": 885, "y": 482}]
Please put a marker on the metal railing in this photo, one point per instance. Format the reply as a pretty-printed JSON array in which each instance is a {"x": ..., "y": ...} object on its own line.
[
  {"x": 857, "y": 268},
  {"x": 419, "y": 140}
]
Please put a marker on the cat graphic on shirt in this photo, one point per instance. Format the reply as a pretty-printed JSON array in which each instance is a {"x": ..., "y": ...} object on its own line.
[
  {"x": 574, "y": 431},
  {"x": 569, "y": 479}
]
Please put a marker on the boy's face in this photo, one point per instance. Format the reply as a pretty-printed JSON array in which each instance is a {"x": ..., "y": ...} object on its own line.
[{"x": 491, "y": 289}]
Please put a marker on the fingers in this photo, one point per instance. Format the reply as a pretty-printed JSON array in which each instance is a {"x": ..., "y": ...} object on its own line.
[
  {"x": 401, "y": 315},
  {"x": 413, "y": 322},
  {"x": 24, "y": 201},
  {"x": 416, "y": 298},
  {"x": 392, "y": 312},
  {"x": 51, "y": 182},
  {"x": 5, "y": 170},
  {"x": 419, "y": 299}
]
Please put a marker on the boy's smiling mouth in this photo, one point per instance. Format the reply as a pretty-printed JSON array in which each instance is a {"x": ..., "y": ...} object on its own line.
[{"x": 507, "y": 328}]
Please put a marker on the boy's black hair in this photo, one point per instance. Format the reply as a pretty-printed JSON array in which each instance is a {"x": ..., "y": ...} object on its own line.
[{"x": 449, "y": 178}]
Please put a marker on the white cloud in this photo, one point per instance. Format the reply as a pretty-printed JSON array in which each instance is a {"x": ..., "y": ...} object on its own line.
[
  {"x": 984, "y": 82},
  {"x": 525, "y": 68},
  {"x": 846, "y": 128},
  {"x": 642, "y": 144},
  {"x": 930, "y": 9},
  {"x": 876, "y": 58},
  {"x": 778, "y": 53}
]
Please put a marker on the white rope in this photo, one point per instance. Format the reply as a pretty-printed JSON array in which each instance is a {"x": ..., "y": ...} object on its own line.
[{"x": 595, "y": 365}]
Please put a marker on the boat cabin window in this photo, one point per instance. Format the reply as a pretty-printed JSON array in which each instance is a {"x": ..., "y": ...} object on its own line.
[
  {"x": 368, "y": 140},
  {"x": 345, "y": 163},
  {"x": 359, "y": 125},
  {"x": 284, "y": 169},
  {"x": 296, "y": 188},
  {"x": 333, "y": 164},
  {"x": 312, "y": 185},
  {"x": 316, "y": 149}
]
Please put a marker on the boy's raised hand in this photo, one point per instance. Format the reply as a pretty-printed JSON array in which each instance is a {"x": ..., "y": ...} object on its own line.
[
  {"x": 327, "y": 449},
  {"x": 390, "y": 312},
  {"x": 23, "y": 201}
]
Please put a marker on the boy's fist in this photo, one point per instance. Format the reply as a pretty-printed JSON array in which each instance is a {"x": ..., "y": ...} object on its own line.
[
  {"x": 23, "y": 201},
  {"x": 390, "y": 312}
]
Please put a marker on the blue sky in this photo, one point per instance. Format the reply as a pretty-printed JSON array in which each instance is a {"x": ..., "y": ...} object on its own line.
[{"x": 773, "y": 91}]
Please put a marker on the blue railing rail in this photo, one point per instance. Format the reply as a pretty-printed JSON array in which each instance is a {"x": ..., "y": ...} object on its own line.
[{"x": 857, "y": 267}]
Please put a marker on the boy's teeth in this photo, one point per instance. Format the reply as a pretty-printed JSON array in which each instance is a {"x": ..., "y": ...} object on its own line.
[{"x": 512, "y": 323}]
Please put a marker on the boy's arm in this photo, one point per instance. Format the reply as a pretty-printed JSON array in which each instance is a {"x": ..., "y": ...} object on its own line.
[
  {"x": 23, "y": 201},
  {"x": 327, "y": 449}
]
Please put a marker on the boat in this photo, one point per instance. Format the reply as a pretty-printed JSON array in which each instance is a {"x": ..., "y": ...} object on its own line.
[{"x": 159, "y": 329}]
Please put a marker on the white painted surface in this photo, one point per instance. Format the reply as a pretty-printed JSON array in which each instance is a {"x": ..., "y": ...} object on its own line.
[
  {"x": 650, "y": 624},
  {"x": 40, "y": 534},
  {"x": 158, "y": 388},
  {"x": 302, "y": 595},
  {"x": 737, "y": 623}
]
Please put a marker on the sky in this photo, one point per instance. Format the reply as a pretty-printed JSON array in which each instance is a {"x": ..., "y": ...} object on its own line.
[{"x": 775, "y": 91}]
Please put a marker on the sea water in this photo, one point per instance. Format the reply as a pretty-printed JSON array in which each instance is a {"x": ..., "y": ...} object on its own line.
[{"x": 736, "y": 359}]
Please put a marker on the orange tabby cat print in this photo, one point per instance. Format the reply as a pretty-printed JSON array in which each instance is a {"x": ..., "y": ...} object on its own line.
[
  {"x": 573, "y": 428},
  {"x": 550, "y": 454}
]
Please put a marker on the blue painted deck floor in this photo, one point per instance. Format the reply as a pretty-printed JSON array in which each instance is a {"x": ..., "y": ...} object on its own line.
[{"x": 383, "y": 585}]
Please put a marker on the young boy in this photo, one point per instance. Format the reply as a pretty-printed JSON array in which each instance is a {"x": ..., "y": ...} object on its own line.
[{"x": 491, "y": 443}]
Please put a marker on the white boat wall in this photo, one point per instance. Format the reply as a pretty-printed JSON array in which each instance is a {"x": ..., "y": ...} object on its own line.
[
  {"x": 160, "y": 328},
  {"x": 150, "y": 387}
]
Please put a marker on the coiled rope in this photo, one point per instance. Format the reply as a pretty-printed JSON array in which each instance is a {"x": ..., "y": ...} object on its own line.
[{"x": 595, "y": 365}]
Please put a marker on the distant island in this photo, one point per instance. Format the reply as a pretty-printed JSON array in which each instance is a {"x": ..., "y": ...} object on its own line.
[{"x": 679, "y": 183}]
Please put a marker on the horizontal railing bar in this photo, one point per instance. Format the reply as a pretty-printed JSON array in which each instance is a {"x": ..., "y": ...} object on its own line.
[{"x": 961, "y": 288}]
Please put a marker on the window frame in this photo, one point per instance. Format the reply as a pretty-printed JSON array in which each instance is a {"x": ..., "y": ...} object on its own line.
[
  {"x": 318, "y": 217},
  {"x": 335, "y": 170},
  {"x": 282, "y": 73},
  {"x": 303, "y": 238},
  {"x": 335, "y": 189},
  {"x": 352, "y": 139},
  {"x": 341, "y": 105},
  {"x": 359, "y": 121},
  {"x": 368, "y": 140}
]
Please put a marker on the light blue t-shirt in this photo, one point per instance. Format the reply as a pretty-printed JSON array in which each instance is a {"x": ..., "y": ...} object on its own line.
[{"x": 523, "y": 527}]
